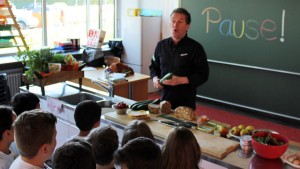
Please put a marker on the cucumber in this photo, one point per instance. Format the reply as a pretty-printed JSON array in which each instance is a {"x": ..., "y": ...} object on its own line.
[
  {"x": 166, "y": 77},
  {"x": 143, "y": 107},
  {"x": 140, "y": 102},
  {"x": 156, "y": 101},
  {"x": 140, "y": 106},
  {"x": 135, "y": 107}
]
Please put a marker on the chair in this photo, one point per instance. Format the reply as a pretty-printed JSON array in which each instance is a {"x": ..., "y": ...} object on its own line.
[
  {"x": 111, "y": 59},
  {"x": 4, "y": 90}
]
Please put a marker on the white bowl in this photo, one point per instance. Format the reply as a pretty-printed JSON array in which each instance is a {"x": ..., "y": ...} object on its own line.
[{"x": 119, "y": 111}]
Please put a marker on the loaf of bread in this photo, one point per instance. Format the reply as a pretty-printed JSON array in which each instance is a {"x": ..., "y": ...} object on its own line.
[
  {"x": 185, "y": 113},
  {"x": 154, "y": 108},
  {"x": 165, "y": 107},
  {"x": 122, "y": 68}
]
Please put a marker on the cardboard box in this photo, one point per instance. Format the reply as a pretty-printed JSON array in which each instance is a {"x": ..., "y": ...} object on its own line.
[{"x": 95, "y": 38}]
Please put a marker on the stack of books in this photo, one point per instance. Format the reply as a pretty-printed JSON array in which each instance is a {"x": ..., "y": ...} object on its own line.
[{"x": 64, "y": 46}]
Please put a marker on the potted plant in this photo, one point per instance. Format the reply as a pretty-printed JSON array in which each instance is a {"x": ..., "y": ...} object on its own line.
[{"x": 36, "y": 61}]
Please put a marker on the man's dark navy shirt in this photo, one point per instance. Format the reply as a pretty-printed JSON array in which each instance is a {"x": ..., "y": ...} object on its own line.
[{"x": 188, "y": 59}]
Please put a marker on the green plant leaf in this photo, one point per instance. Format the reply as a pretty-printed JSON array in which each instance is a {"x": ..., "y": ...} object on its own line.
[{"x": 35, "y": 60}]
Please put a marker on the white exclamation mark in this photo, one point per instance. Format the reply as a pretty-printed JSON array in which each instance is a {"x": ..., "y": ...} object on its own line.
[{"x": 282, "y": 26}]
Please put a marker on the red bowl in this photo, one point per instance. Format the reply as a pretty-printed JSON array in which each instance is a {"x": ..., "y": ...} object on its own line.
[{"x": 269, "y": 151}]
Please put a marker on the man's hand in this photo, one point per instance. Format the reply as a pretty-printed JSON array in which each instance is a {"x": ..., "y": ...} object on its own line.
[
  {"x": 176, "y": 80},
  {"x": 156, "y": 83}
]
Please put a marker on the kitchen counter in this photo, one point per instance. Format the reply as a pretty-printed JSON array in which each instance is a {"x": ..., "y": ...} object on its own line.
[
  {"x": 221, "y": 152},
  {"x": 61, "y": 100},
  {"x": 135, "y": 88}
]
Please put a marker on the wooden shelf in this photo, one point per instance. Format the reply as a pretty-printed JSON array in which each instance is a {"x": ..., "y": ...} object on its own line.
[
  {"x": 5, "y": 27},
  {"x": 61, "y": 76},
  {"x": 7, "y": 12},
  {"x": 10, "y": 46}
]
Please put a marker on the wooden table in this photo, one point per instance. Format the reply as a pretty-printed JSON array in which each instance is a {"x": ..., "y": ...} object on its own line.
[
  {"x": 61, "y": 76},
  {"x": 135, "y": 88}
]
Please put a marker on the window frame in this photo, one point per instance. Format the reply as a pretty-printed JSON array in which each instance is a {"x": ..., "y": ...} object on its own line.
[{"x": 88, "y": 12}]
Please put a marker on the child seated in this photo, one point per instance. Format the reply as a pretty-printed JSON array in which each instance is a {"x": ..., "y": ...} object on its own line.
[
  {"x": 181, "y": 150},
  {"x": 134, "y": 129},
  {"x": 87, "y": 116},
  {"x": 76, "y": 153},
  {"x": 25, "y": 101},
  {"x": 35, "y": 136},
  {"x": 139, "y": 153},
  {"x": 105, "y": 142},
  {"x": 8, "y": 153}
]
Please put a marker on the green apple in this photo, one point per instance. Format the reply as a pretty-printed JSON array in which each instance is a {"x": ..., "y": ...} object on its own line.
[
  {"x": 241, "y": 126},
  {"x": 235, "y": 131},
  {"x": 250, "y": 129},
  {"x": 244, "y": 132}
]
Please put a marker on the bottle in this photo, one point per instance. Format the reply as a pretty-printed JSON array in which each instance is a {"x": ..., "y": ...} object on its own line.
[{"x": 107, "y": 72}]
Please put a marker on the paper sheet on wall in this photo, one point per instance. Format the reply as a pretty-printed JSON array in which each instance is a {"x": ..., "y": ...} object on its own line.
[{"x": 54, "y": 105}]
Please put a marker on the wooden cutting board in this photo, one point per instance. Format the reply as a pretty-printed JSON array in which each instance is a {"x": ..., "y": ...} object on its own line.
[{"x": 211, "y": 145}]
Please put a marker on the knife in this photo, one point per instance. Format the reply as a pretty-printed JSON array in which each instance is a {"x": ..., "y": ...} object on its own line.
[
  {"x": 187, "y": 123},
  {"x": 173, "y": 124}
]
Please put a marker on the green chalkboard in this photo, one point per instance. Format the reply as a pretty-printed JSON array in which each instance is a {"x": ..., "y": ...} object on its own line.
[
  {"x": 249, "y": 32},
  {"x": 253, "y": 51}
]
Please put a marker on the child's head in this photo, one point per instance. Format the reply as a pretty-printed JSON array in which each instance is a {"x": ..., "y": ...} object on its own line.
[
  {"x": 7, "y": 117},
  {"x": 35, "y": 133},
  {"x": 134, "y": 129},
  {"x": 139, "y": 153},
  {"x": 105, "y": 142},
  {"x": 182, "y": 140},
  {"x": 24, "y": 101},
  {"x": 76, "y": 153},
  {"x": 87, "y": 115}
]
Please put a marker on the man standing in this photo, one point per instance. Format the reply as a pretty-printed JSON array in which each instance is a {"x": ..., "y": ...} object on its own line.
[{"x": 182, "y": 56}]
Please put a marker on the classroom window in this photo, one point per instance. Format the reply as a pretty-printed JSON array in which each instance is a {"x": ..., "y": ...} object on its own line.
[{"x": 65, "y": 19}]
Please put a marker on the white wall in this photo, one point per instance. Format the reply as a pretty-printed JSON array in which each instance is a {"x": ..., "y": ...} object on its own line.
[
  {"x": 165, "y": 6},
  {"x": 168, "y": 7}
]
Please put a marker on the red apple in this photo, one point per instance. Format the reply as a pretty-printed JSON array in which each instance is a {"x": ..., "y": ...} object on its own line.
[{"x": 223, "y": 130}]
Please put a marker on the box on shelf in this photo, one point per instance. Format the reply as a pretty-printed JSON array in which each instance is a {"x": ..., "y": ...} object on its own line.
[
  {"x": 54, "y": 67},
  {"x": 133, "y": 11},
  {"x": 143, "y": 12},
  {"x": 95, "y": 38}
]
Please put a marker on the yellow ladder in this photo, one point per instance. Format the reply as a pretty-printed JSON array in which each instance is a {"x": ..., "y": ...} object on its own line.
[{"x": 15, "y": 24}]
